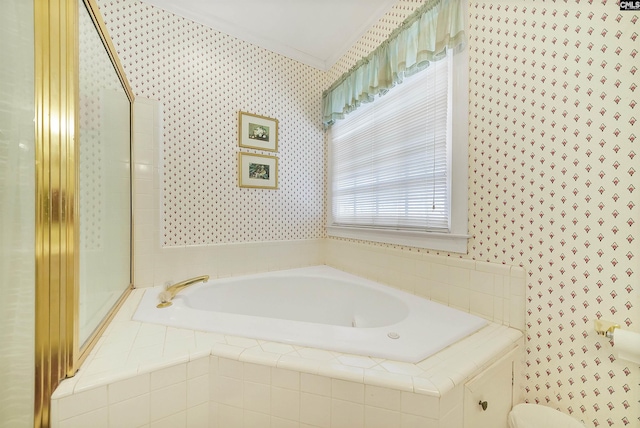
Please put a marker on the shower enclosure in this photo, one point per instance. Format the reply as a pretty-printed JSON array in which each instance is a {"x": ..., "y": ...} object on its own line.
[
  {"x": 17, "y": 214},
  {"x": 65, "y": 196},
  {"x": 105, "y": 180}
]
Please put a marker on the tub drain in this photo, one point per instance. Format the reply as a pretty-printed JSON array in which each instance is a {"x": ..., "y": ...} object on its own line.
[{"x": 393, "y": 335}]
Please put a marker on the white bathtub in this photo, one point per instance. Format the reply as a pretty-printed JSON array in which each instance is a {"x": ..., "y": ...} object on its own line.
[{"x": 319, "y": 307}]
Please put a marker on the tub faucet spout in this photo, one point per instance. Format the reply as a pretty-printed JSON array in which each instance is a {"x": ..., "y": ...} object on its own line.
[{"x": 167, "y": 296}]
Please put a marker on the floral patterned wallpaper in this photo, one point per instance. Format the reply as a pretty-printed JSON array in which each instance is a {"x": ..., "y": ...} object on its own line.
[
  {"x": 552, "y": 188},
  {"x": 203, "y": 78},
  {"x": 552, "y": 174},
  {"x": 553, "y": 185}
]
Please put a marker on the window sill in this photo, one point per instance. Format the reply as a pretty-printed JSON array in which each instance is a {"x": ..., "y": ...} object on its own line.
[{"x": 454, "y": 243}]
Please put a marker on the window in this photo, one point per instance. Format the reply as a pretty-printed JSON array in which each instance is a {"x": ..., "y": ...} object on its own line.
[{"x": 398, "y": 165}]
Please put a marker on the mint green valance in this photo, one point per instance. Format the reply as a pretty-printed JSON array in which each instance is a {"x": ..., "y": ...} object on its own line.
[{"x": 425, "y": 36}]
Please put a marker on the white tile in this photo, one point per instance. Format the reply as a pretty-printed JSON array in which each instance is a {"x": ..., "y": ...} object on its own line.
[
  {"x": 177, "y": 420},
  {"x": 314, "y": 384},
  {"x": 213, "y": 365},
  {"x": 300, "y": 364},
  {"x": 197, "y": 390},
  {"x": 481, "y": 304},
  {"x": 356, "y": 361},
  {"x": 422, "y": 269},
  {"x": 517, "y": 286},
  {"x": 340, "y": 371},
  {"x": 346, "y": 414},
  {"x": 259, "y": 356},
  {"x": 228, "y": 391},
  {"x": 198, "y": 416},
  {"x": 459, "y": 277},
  {"x": 285, "y": 403},
  {"x": 440, "y": 272},
  {"x": 442, "y": 383},
  {"x": 230, "y": 368},
  {"x": 132, "y": 412},
  {"x": 412, "y": 421},
  {"x": 198, "y": 367},
  {"x": 453, "y": 419},
  {"x": 89, "y": 382},
  {"x": 386, "y": 379},
  {"x": 482, "y": 282},
  {"x": 241, "y": 342},
  {"x": 375, "y": 417},
  {"x": 94, "y": 419},
  {"x": 255, "y": 419},
  {"x": 385, "y": 398},
  {"x": 283, "y": 423},
  {"x": 348, "y": 391},
  {"x": 517, "y": 314},
  {"x": 230, "y": 417},
  {"x": 54, "y": 413},
  {"x": 257, "y": 397},
  {"x": 460, "y": 263},
  {"x": 498, "y": 285},
  {"x": 257, "y": 373},
  {"x": 168, "y": 376},
  {"x": 65, "y": 388},
  {"x": 214, "y": 414},
  {"x": 83, "y": 402},
  {"x": 129, "y": 388},
  {"x": 494, "y": 268},
  {"x": 315, "y": 410},
  {"x": 420, "y": 404},
  {"x": 451, "y": 399},
  {"x": 506, "y": 312},
  {"x": 498, "y": 308},
  {"x": 276, "y": 348},
  {"x": 167, "y": 401},
  {"x": 518, "y": 272},
  {"x": 316, "y": 354},
  {"x": 423, "y": 288},
  {"x": 459, "y": 298},
  {"x": 398, "y": 367},
  {"x": 439, "y": 292},
  {"x": 285, "y": 378}
]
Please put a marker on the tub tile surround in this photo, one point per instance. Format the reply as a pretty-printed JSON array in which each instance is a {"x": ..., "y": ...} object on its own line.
[
  {"x": 142, "y": 374},
  {"x": 493, "y": 291}
]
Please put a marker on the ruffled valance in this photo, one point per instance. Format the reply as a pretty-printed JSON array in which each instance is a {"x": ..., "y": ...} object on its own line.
[{"x": 425, "y": 36}]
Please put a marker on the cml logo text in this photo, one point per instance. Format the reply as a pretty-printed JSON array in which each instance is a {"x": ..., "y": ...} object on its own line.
[{"x": 629, "y": 5}]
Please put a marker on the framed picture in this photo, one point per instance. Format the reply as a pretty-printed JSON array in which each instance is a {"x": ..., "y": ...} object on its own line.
[
  {"x": 258, "y": 132},
  {"x": 258, "y": 171}
]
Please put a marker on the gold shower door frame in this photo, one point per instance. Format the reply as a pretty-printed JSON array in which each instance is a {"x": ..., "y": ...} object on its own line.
[{"x": 58, "y": 352}]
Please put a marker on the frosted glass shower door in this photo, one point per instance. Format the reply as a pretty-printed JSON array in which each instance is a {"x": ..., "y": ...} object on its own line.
[
  {"x": 105, "y": 190},
  {"x": 17, "y": 215}
]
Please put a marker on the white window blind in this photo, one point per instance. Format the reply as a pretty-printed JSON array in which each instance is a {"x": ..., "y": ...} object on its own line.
[{"x": 390, "y": 159}]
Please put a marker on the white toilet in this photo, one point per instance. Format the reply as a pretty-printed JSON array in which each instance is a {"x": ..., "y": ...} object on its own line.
[{"x": 527, "y": 415}]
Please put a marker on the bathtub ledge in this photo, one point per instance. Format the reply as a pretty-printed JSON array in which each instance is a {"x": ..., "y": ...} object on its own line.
[{"x": 129, "y": 348}]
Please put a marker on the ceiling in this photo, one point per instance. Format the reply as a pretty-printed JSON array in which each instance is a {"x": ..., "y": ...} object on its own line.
[{"x": 314, "y": 32}]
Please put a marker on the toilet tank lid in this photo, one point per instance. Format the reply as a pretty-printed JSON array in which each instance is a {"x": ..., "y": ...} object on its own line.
[{"x": 527, "y": 415}]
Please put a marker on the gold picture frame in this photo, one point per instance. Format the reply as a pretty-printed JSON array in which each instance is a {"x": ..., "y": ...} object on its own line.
[
  {"x": 257, "y": 171},
  {"x": 257, "y": 132}
]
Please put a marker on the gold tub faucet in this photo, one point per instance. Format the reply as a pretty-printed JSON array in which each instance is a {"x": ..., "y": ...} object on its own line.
[{"x": 167, "y": 296}]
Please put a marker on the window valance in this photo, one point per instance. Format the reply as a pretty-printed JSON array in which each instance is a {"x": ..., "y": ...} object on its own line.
[{"x": 425, "y": 36}]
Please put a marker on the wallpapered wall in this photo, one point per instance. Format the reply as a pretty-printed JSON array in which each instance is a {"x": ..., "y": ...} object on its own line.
[
  {"x": 203, "y": 78},
  {"x": 551, "y": 181},
  {"x": 553, "y": 184}
]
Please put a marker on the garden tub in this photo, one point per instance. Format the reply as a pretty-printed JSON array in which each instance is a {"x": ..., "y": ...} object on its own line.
[{"x": 319, "y": 307}]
